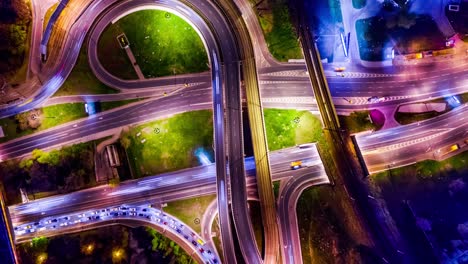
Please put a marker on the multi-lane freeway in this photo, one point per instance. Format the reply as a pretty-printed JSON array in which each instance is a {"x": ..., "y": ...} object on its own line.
[{"x": 53, "y": 215}]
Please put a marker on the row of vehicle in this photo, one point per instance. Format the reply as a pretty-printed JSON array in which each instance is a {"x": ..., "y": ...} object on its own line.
[{"x": 144, "y": 211}]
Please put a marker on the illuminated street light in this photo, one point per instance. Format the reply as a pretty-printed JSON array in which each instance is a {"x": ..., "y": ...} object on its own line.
[
  {"x": 89, "y": 249},
  {"x": 42, "y": 258},
  {"x": 117, "y": 254}
]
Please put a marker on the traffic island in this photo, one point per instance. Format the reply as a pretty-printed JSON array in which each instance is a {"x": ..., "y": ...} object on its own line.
[
  {"x": 190, "y": 211},
  {"x": 416, "y": 112},
  {"x": 181, "y": 141},
  {"x": 360, "y": 121},
  {"x": 81, "y": 80},
  {"x": 288, "y": 128},
  {"x": 166, "y": 45}
]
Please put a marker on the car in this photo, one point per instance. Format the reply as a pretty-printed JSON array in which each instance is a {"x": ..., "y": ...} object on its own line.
[
  {"x": 208, "y": 251},
  {"x": 194, "y": 242},
  {"x": 132, "y": 209},
  {"x": 215, "y": 261},
  {"x": 376, "y": 99},
  {"x": 201, "y": 250},
  {"x": 144, "y": 210},
  {"x": 179, "y": 231},
  {"x": 340, "y": 69},
  {"x": 165, "y": 223},
  {"x": 296, "y": 165},
  {"x": 54, "y": 221},
  {"x": 36, "y": 223},
  {"x": 124, "y": 213},
  {"x": 186, "y": 236}
]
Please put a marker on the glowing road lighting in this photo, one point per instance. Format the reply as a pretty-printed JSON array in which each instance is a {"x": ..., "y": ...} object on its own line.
[
  {"x": 117, "y": 254},
  {"x": 42, "y": 258},
  {"x": 202, "y": 156}
]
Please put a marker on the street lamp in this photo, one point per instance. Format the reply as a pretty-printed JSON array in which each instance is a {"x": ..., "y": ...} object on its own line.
[
  {"x": 89, "y": 249},
  {"x": 41, "y": 258},
  {"x": 117, "y": 254}
]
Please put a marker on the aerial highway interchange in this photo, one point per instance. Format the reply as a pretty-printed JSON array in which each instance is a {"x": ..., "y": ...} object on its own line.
[{"x": 231, "y": 177}]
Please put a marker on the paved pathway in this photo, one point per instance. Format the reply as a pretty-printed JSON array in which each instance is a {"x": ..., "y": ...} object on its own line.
[{"x": 134, "y": 63}]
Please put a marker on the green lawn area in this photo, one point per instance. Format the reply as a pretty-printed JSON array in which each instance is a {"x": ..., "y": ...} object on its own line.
[
  {"x": 287, "y": 128},
  {"x": 169, "y": 144},
  {"x": 48, "y": 117},
  {"x": 189, "y": 210},
  {"x": 112, "y": 57},
  {"x": 163, "y": 45},
  {"x": 48, "y": 14},
  {"x": 357, "y": 122},
  {"x": 82, "y": 80},
  {"x": 278, "y": 30}
]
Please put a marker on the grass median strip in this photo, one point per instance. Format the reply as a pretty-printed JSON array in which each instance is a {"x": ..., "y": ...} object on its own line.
[{"x": 47, "y": 117}]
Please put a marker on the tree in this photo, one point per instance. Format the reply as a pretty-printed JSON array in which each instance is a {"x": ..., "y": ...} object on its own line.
[{"x": 125, "y": 141}]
